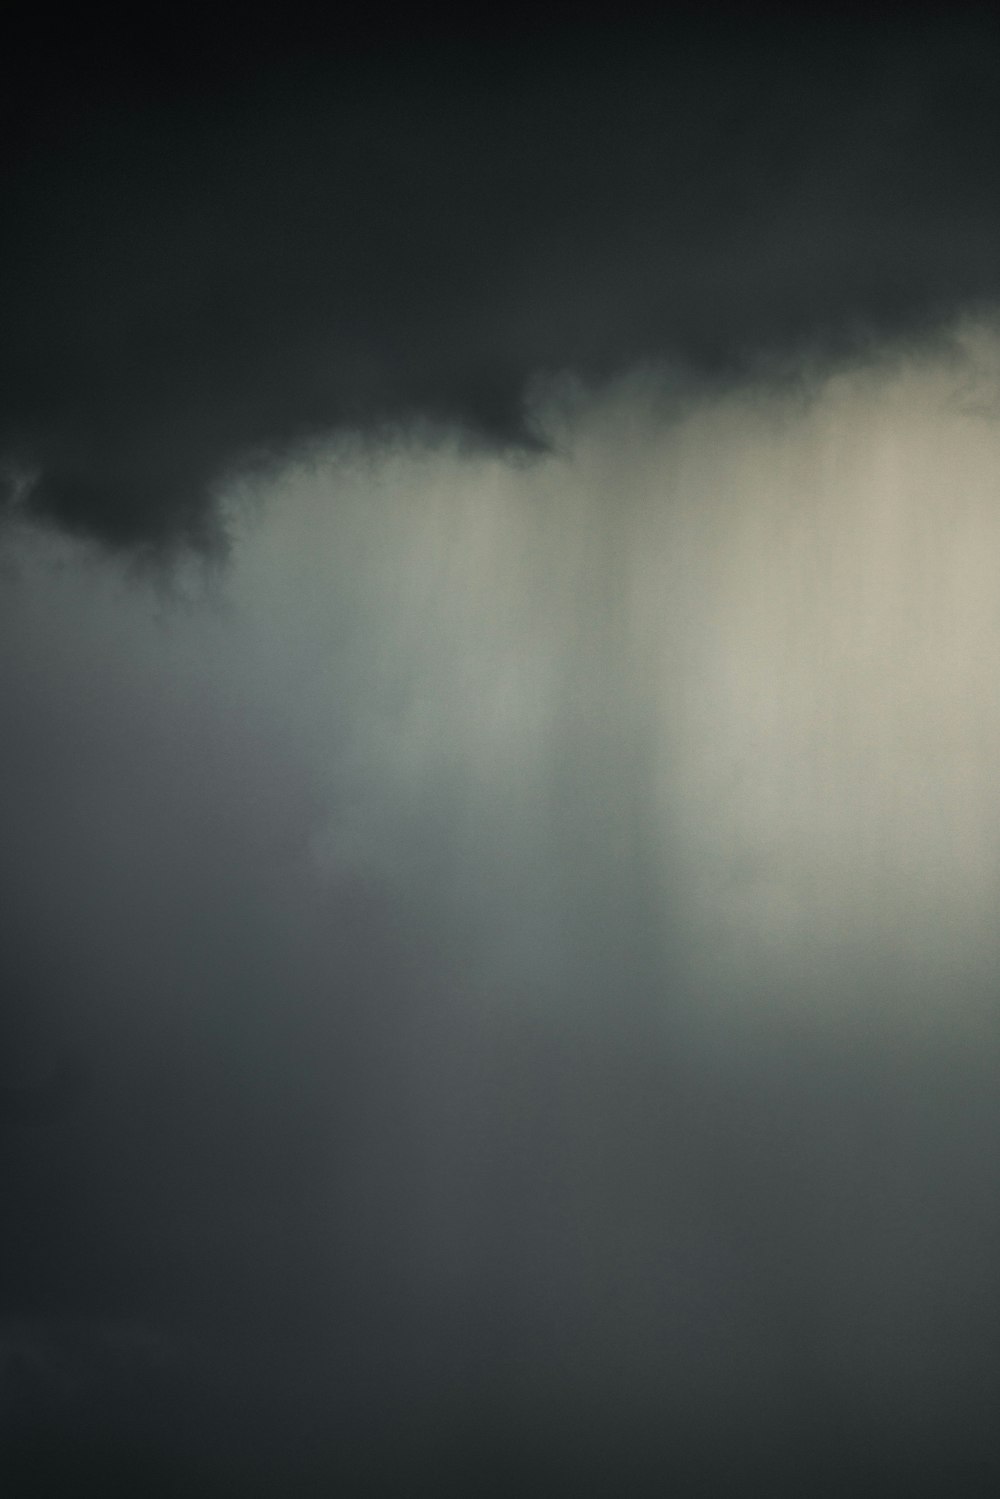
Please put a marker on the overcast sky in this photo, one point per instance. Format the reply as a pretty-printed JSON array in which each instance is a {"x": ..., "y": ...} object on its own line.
[{"x": 499, "y": 653}]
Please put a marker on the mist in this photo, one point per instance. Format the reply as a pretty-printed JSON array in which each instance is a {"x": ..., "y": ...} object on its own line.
[{"x": 525, "y": 933}]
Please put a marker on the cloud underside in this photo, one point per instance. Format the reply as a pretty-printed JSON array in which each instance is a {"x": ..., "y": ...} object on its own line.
[{"x": 196, "y": 287}]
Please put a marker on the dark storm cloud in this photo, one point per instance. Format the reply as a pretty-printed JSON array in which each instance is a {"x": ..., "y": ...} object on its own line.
[
  {"x": 499, "y": 981},
  {"x": 208, "y": 260}
]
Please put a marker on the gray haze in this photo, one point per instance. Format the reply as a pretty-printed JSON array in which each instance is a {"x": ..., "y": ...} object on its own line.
[{"x": 525, "y": 933}]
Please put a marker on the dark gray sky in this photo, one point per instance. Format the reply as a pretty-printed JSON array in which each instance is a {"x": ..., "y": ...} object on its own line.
[{"x": 498, "y": 648}]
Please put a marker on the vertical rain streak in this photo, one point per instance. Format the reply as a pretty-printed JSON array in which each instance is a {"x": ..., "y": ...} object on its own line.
[
  {"x": 838, "y": 788},
  {"x": 706, "y": 694}
]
